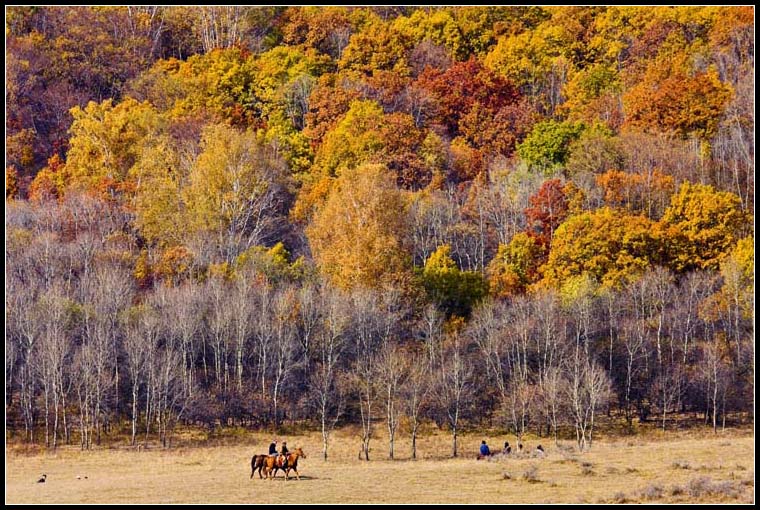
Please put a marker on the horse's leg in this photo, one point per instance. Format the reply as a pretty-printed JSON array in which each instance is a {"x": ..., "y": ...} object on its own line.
[{"x": 298, "y": 477}]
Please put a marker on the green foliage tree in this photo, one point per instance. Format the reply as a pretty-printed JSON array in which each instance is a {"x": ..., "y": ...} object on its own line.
[
  {"x": 547, "y": 147},
  {"x": 453, "y": 290}
]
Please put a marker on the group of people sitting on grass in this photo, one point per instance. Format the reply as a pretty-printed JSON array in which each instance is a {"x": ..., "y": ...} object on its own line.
[{"x": 486, "y": 452}]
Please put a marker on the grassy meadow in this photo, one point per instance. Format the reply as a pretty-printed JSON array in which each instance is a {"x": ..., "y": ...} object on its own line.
[{"x": 671, "y": 467}]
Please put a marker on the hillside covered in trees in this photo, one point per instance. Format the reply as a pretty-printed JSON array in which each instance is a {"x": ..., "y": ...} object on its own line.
[{"x": 517, "y": 217}]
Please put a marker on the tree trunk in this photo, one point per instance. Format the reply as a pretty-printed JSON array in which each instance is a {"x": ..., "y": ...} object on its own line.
[
  {"x": 134, "y": 414},
  {"x": 414, "y": 441},
  {"x": 454, "y": 440}
]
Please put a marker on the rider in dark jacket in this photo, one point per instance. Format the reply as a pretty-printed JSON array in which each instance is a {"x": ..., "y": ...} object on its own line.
[
  {"x": 284, "y": 452},
  {"x": 273, "y": 447}
]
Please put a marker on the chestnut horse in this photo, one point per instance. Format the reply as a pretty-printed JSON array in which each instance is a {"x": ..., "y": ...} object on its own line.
[
  {"x": 258, "y": 462},
  {"x": 272, "y": 464}
]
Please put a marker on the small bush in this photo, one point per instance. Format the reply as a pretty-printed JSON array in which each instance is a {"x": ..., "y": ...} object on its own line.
[
  {"x": 566, "y": 459},
  {"x": 507, "y": 476},
  {"x": 698, "y": 486},
  {"x": 531, "y": 474},
  {"x": 703, "y": 485},
  {"x": 619, "y": 498},
  {"x": 652, "y": 491},
  {"x": 631, "y": 470},
  {"x": 727, "y": 488},
  {"x": 587, "y": 470},
  {"x": 676, "y": 490},
  {"x": 680, "y": 464},
  {"x": 612, "y": 470}
]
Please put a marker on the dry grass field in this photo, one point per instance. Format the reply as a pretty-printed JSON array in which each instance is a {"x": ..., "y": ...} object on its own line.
[{"x": 672, "y": 467}]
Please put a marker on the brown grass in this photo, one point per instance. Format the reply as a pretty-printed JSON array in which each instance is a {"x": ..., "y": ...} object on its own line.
[{"x": 624, "y": 470}]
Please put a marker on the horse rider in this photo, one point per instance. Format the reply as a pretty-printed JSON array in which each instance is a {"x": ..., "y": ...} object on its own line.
[
  {"x": 284, "y": 452},
  {"x": 273, "y": 448}
]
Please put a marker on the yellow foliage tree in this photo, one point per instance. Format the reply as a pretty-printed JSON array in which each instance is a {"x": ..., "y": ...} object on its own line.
[
  {"x": 107, "y": 140},
  {"x": 609, "y": 245},
  {"x": 514, "y": 266},
  {"x": 358, "y": 237},
  {"x": 701, "y": 226},
  {"x": 234, "y": 191}
]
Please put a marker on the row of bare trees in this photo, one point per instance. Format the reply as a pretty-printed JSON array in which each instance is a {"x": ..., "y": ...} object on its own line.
[{"x": 92, "y": 353}]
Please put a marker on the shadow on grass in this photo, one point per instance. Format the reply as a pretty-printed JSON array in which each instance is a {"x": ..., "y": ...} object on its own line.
[{"x": 294, "y": 479}]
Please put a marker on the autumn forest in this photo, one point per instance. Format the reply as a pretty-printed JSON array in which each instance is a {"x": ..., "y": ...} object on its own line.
[{"x": 536, "y": 219}]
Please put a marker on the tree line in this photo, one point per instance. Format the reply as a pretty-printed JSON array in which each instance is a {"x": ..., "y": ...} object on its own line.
[{"x": 90, "y": 348}]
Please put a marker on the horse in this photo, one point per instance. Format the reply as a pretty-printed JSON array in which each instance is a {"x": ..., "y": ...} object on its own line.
[
  {"x": 272, "y": 464},
  {"x": 258, "y": 462}
]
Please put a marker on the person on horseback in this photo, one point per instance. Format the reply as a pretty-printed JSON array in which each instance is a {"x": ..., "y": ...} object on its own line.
[
  {"x": 284, "y": 452},
  {"x": 273, "y": 448}
]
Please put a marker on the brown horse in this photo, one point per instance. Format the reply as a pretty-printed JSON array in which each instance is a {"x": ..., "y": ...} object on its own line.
[
  {"x": 258, "y": 462},
  {"x": 272, "y": 464}
]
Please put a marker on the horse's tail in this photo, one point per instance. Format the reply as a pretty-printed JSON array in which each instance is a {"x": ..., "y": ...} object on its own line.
[{"x": 253, "y": 464}]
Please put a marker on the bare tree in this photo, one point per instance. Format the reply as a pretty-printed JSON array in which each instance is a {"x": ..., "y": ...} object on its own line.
[
  {"x": 415, "y": 393},
  {"x": 264, "y": 332},
  {"x": 55, "y": 314},
  {"x": 140, "y": 343},
  {"x": 24, "y": 327},
  {"x": 520, "y": 390},
  {"x": 392, "y": 373},
  {"x": 241, "y": 307},
  {"x": 310, "y": 310},
  {"x": 219, "y": 324},
  {"x": 551, "y": 387},
  {"x": 487, "y": 330},
  {"x": 589, "y": 389},
  {"x": 431, "y": 329},
  {"x": 284, "y": 344},
  {"x": 367, "y": 339},
  {"x": 184, "y": 319},
  {"x": 171, "y": 396},
  {"x": 220, "y": 26},
  {"x": 454, "y": 387},
  {"x": 324, "y": 384}
]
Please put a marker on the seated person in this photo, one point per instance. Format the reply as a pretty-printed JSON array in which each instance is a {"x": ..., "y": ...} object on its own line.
[
  {"x": 507, "y": 449},
  {"x": 484, "y": 450}
]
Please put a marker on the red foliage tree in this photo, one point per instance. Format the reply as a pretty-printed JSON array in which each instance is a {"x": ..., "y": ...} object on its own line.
[{"x": 548, "y": 208}]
